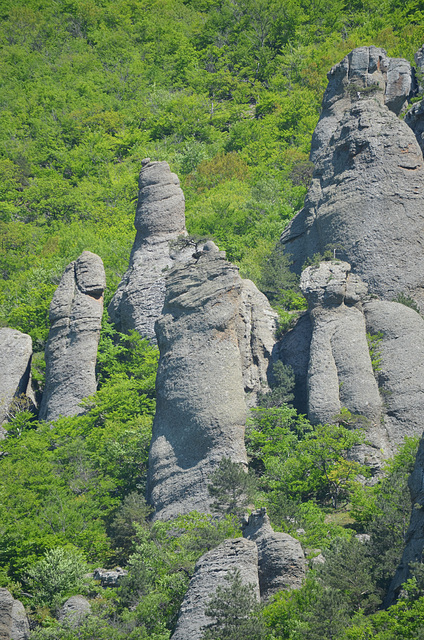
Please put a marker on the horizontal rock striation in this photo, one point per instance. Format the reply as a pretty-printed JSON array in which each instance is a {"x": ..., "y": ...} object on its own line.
[
  {"x": 159, "y": 221},
  {"x": 209, "y": 573},
  {"x": 215, "y": 337},
  {"x": 71, "y": 352},
  {"x": 366, "y": 198},
  {"x": 15, "y": 370}
]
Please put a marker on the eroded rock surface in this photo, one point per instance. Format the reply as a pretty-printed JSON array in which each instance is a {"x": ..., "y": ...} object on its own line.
[
  {"x": 340, "y": 372},
  {"x": 210, "y": 572},
  {"x": 74, "y": 610},
  {"x": 13, "y": 619},
  {"x": 159, "y": 221},
  {"x": 215, "y": 337},
  {"x": 401, "y": 375},
  {"x": 71, "y": 352},
  {"x": 281, "y": 561},
  {"x": 15, "y": 369},
  {"x": 367, "y": 193}
]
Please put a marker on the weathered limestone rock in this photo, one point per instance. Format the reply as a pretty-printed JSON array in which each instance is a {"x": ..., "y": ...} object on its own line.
[
  {"x": 15, "y": 368},
  {"x": 214, "y": 342},
  {"x": 109, "y": 577},
  {"x": 159, "y": 221},
  {"x": 74, "y": 610},
  {"x": 71, "y": 352},
  {"x": 340, "y": 372},
  {"x": 13, "y": 620},
  {"x": 367, "y": 193},
  {"x": 210, "y": 572},
  {"x": 401, "y": 375},
  {"x": 281, "y": 560}
]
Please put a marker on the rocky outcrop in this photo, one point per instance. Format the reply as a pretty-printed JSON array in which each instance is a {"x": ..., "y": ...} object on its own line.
[
  {"x": 71, "y": 352},
  {"x": 340, "y": 372},
  {"x": 215, "y": 337},
  {"x": 74, "y": 610},
  {"x": 15, "y": 370},
  {"x": 329, "y": 352},
  {"x": 210, "y": 572},
  {"x": 13, "y": 619},
  {"x": 281, "y": 561},
  {"x": 401, "y": 370},
  {"x": 109, "y": 577},
  {"x": 159, "y": 221},
  {"x": 366, "y": 198}
]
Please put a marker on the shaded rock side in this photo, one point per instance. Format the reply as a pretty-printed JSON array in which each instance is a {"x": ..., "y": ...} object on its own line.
[
  {"x": 281, "y": 560},
  {"x": 293, "y": 350},
  {"x": 13, "y": 619},
  {"x": 15, "y": 368},
  {"x": 414, "y": 118},
  {"x": 214, "y": 345},
  {"x": 367, "y": 192},
  {"x": 414, "y": 539},
  {"x": 71, "y": 351},
  {"x": 74, "y": 610},
  {"x": 159, "y": 221},
  {"x": 210, "y": 572},
  {"x": 340, "y": 373},
  {"x": 401, "y": 375}
]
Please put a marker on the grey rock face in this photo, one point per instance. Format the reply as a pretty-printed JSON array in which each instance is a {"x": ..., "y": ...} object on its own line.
[
  {"x": 109, "y": 578},
  {"x": 210, "y": 572},
  {"x": 159, "y": 220},
  {"x": 340, "y": 372},
  {"x": 415, "y": 120},
  {"x": 293, "y": 350},
  {"x": 13, "y": 620},
  {"x": 401, "y": 377},
  {"x": 281, "y": 560},
  {"x": 210, "y": 337},
  {"x": 15, "y": 368},
  {"x": 74, "y": 610},
  {"x": 367, "y": 193},
  {"x": 71, "y": 352}
]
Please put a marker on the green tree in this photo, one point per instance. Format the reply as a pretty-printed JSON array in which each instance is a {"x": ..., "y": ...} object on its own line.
[
  {"x": 232, "y": 487},
  {"x": 235, "y": 611}
]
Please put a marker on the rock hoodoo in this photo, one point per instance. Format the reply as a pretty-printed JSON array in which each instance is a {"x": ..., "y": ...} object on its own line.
[
  {"x": 366, "y": 198},
  {"x": 210, "y": 572},
  {"x": 329, "y": 352},
  {"x": 71, "y": 352},
  {"x": 15, "y": 369},
  {"x": 215, "y": 337},
  {"x": 281, "y": 561},
  {"x": 13, "y": 620},
  {"x": 159, "y": 221}
]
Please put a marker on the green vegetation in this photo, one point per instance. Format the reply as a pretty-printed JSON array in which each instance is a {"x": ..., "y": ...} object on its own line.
[{"x": 228, "y": 92}]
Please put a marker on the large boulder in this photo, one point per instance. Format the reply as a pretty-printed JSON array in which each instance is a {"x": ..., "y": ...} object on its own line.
[
  {"x": 210, "y": 572},
  {"x": 15, "y": 369},
  {"x": 74, "y": 610},
  {"x": 159, "y": 221},
  {"x": 215, "y": 337},
  {"x": 71, "y": 352},
  {"x": 281, "y": 561},
  {"x": 366, "y": 199},
  {"x": 13, "y": 619}
]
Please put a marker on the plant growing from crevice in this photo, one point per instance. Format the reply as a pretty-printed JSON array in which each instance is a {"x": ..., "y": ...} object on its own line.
[{"x": 374, "y": 343}]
